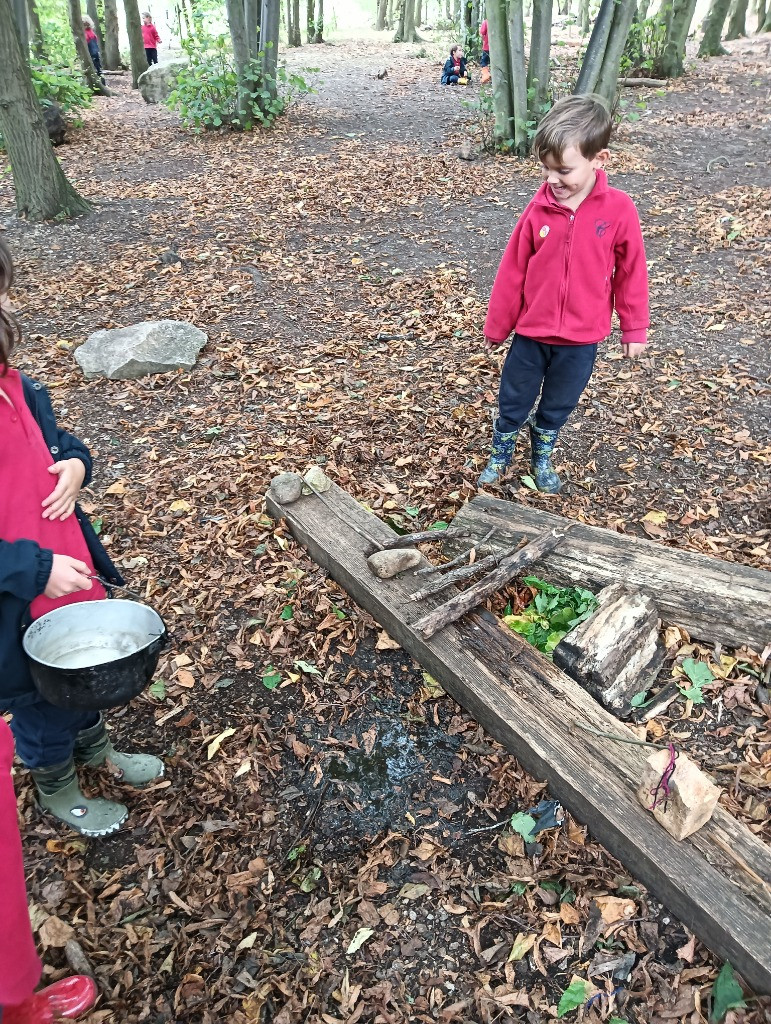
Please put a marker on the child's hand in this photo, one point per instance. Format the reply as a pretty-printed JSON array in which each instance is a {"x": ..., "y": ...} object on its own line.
[
  {"x": 61, "y": 501},
  {"x": 632, "y": 351},
  {"x": 490, "y": 345},
  {"x": 68, "y": 575}
]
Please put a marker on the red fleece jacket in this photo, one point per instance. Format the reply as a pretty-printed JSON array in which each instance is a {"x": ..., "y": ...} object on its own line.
[
  {"x": 150, "y": 37},
  {"x": 563, "y": 271}
]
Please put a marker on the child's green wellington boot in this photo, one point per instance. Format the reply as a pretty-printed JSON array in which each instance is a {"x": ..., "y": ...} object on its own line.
[
  {"x": 501, "y": 455},
  {"x": 93, "y": 748},
  {"x": 542, "y": 444},
  {"x": 59, "y": 793}
]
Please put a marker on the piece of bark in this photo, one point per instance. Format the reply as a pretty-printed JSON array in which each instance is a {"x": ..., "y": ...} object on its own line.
[
  {"x": 618, "y": 651},
  {"x": 508, "y": 568},
  {"x": 681, "y": 803},
  {"x": 77, "y": 959},
  {"x": 386, "y": 564},
  {"x": 459, "y": 575}
]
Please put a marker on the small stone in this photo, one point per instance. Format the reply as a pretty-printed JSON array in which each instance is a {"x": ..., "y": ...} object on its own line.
[
  {"x": 385, "y": 564},
  {"x": 268, "y": 817},
  {"x": 286, "y": 488},
  {"x": 692, "y": 798}
]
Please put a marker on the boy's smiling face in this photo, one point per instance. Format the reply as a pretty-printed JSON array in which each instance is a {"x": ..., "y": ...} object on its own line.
[{"x": 572, "y": 178}]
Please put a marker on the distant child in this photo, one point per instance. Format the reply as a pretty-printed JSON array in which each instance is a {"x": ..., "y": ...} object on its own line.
[
  {"x": 151, "y": 38},
  {"x": 454, "y": 70},
  {"x": 576, "y": 252},
  {"x": 49, "y": 554},
  {"x": 92, "y": 42},
  {"x": 484, "y": 60}
]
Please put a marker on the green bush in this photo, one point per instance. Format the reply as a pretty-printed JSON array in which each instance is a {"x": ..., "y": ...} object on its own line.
[
  {"x": 644, "y": 48},
  {"x": 59, "y": 85},
  {"x": 206, "y": 89}
]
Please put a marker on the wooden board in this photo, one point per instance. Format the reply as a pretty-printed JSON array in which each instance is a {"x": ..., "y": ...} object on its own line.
[
  {"x": 713, "y": 599},
  {"x": 528, "y": 704}
]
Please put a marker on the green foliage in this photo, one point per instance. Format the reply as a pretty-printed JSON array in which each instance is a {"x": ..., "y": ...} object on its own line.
[
  {"x": 700, "y": 675},
  {"x": 573, "y": 997},
  {"x": 55, "y": 25},
  {"x": 59, "y": 84},
  {"x": 523, "y": 825},
  {"x": 644, "y": 48},
  {"x": 206, "y": 93},
  {"x": 552, "y": 613},
  {"x": 726, "y": 994}
]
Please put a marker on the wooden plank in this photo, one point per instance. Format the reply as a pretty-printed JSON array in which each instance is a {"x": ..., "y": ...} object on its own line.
[
  {"x": 713, "y": 599},
  {"x": 528, "y": 704}
]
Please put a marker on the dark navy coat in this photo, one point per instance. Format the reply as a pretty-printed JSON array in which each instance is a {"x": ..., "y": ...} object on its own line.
[
  {"x": 25, "y": 566},
  {"x": 449, "y": 69}
]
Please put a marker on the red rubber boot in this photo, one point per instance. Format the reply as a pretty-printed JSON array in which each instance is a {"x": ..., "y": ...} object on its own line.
[{"x": 69, "y": 999}]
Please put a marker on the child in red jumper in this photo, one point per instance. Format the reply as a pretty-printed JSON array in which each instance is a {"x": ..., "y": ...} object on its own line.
[
  {"x": 48, "y": 556},
  {"x": 151, "y": 39},
  {"x": 576, "y": 252}
]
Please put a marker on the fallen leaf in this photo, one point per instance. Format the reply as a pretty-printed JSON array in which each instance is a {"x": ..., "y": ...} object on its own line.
[{"x": 216, "y": 743}]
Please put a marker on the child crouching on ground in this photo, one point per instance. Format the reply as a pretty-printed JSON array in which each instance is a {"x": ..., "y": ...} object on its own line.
[
  {"x": 48, "y": 554},
  {"x": 455, "y": 71},
  {"x": 576, "y": 252}
]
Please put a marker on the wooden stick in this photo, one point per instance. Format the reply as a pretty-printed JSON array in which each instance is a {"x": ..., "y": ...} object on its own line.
[
  {"x": 458, "y": 606},
  {"x": 459, "y": 575},
  {"x": 458, "y": 560},
  {"x": 408, "y": 539}
]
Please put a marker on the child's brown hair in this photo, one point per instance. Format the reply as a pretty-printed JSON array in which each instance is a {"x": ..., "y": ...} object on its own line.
[
  {"x": 9, "y": 331},
  {"x": 581, "y": 121}
]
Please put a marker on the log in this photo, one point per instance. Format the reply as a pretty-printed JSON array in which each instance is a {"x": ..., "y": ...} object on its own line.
[
  {"x": 653, "y": 83},
  {"x": 510, "y": 565},
  {"x": 618, "y": 651},
  {"x": 463, "y": 572},
  {"x": 529, "y": 705},
  {"x": 464, "y": 556},
  {"x": 713, "y": 599}
]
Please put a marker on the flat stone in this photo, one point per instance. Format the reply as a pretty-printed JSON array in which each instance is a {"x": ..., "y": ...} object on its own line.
[
  {"x": 286, "y": 488},
  {"x": 159, "y": 81},
  {"x": 385, "y": 564},
  {"x": 154, "y": 346},
  {"x": 692, "y": 797}
]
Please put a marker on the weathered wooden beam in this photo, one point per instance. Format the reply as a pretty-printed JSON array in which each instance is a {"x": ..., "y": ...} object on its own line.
[
  {"x": 528, "y": 704},
  {"x": 713, "y": 599}
]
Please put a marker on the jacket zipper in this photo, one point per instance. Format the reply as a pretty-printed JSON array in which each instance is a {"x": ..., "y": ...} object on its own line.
[{"x": 564, "y": 294}]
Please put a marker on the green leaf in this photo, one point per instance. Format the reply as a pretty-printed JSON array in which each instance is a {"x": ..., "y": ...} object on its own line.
[
  {"x": 311, "y": 880},
  {"x": 439, "y": 525},
  {"x": 638, "y": 700},
  {"x": 573, "y": 997},
  {"x": 692, "y": 693},
  {"x": 412, "y": 510},
  {"x": 618, "y": 1020},
  {"x": 523, "y": 824},
  {"x": 97, "y": 524},
  {"x": 287, "y": 613},
  {"x": 699, "y": 673},
  {"x": 296, "y": 851},
  {"x": 726, "y": 994},
  {"x": 528, "y": 482},
  {"x": 271, "y": 678},
  {"x": 306, "y": 667},
  {"x": 158, "y": 689}
]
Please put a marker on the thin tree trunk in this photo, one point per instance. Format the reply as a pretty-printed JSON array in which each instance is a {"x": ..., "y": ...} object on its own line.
[
  {"x": 270, "y": 21},
  {"x": 310, "y": 19},
  {"x": 136, "y": 42},
  {"x": 674, "y": 50},
  {"x": 38, "y": 43},
  {"x": 93, "y": 14},
  {"x": 318, "y": 36},
  {"x": 252, "y": 22},
  {"x": 447, "y": 10},
  {"x": 761, "y": 12},
  {"x": 583, "y": 17},
  {"x": 42, "y": 190},
  {"x": 737, "y": 25},
  {"x": 538, "y": 68},
  {"x": 382, "y": 12},
  {"x": 111, "y": 52},
  {"x": 22, "y": 25},
  {"x": 410, "y": 32},
  {"x": 84, "y": 57},
  {"x": 241, "y": 56},
  {"x": 607, "y": 82},
  {"x": 710, "y": 45},
  {"x": 642, "y": 9},
  {"x": 767, "y": 23},
  {"x": 501, "y": 71},
  {"x": 399, "y": 28},
  {"x": 595, "y": 51},
  {"x": 515, "y": 28}
]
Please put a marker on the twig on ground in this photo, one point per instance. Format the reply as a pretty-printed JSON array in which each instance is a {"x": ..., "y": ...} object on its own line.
[
  {"x": 617, "y": 738},
  {"x": 458, "y": 560}
]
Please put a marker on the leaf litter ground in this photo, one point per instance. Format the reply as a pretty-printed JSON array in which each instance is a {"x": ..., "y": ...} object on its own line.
[{"x": 322, "y": 863}]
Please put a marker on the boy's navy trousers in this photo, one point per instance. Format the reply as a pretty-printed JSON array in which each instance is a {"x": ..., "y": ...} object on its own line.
[{"x": 559, "y": 372}]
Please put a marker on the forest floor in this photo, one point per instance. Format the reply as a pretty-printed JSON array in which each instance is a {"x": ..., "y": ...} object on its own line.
[{"x": 318, "y": 783}]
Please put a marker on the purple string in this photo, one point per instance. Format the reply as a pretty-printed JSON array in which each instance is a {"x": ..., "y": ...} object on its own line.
[{"x": 662, "y": 786}]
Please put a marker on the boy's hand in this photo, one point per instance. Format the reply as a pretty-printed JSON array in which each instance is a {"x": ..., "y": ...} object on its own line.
[
  {"x": 68, "y": 575},
  {"x": 61, "y": 501},
  {"x": 632, "y": 351},
  {"x": 490, "y": 345}
]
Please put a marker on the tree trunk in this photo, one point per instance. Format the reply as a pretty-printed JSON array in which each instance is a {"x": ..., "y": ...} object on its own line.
[
  {"x": 310, "y": 19},
  {"x": 84, "y": 57},
  {"x": 507, "y": 67},
  {"x": 111, "y": 52},
  {"x": 607, "y": 83},
  {"x": 538, "y": 68},
  {"x": 679, "y": 27},
  {"x": 20, "y": 18},
  {"x": 514, "y": 27},
  {"x": 93, "y": 14},
  {"x": 399, "y": 27},
  {"x": 318, "y": 35},
  {"x": 710, "y": 45},
  {"x": 252, "y": 21},
  {"x": 642, "y": 9},
  {"x": 591, "y": 65},
  {"x": 296, "y": 19},
  {"x": 382, "y": 12},
  {"x": 737, "y": 25},
  {"x": 136, "y": 43},
  {"x": 405, "y": 28},
  {"x": 38, "y": 43},
  {"x": 583, "y": 17},
  {"x": 42, "y": 191},
  {"x": 270, "y": 22},
  {"x": 238, "y": 35},
  {"x": 767, "y": 23},
  {"x": 418, "y": 13}
]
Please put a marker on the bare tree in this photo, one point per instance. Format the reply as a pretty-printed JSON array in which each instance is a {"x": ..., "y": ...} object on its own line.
[
  {"x": 136, "y": 42},
  {"x": 623, "y": 16},
  {"x": 405, "y": 25},
  {"x": 42, "y": 190},
  {"x": 93, "y": 80},
  {"x": 538, "y": 67},
  {"x": 677, "y": 17},
  {"x": 111, "y": 52},
  {"x": 737, "y": 24},
  {"x": 710, "y": 45},
  {"x": 589, "y": 74},
  {"x": 382, "y": 12},
  {"x": 36, "y": 30}
]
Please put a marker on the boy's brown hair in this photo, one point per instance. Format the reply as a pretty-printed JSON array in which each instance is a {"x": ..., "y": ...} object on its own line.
[
  {"x": 9, "y": 331},
  {"x": 581, "y": 121}
]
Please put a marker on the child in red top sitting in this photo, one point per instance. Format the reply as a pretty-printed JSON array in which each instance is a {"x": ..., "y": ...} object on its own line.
[
  {"x": 49, "y": 555},
  {"x": 576, "y": 252},
  {"x": 151, "y": 38}
]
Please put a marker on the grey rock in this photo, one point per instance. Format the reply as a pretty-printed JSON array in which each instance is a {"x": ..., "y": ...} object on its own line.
[
  {"x": 154, "y": 346},
  {"x": 286, "y": 488},
  {"x": 159, "y": 80},
  {"x": 385, "y": 564}
]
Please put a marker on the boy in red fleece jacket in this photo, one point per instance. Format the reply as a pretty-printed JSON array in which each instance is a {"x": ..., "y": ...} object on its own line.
[
  {"x": 576, "y": 252},
  {"x": 150, "y": 38}
]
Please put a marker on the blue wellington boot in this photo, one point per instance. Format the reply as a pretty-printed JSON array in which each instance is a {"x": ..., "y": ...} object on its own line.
[
  {"x": 542, "y": 444},
  {"x": 500, "y": 457}
]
